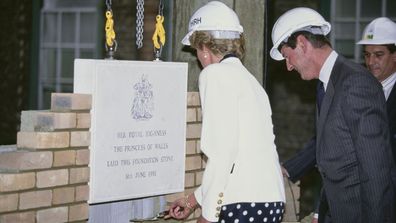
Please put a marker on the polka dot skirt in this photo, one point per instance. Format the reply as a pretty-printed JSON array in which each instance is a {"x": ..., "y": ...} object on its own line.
[{"x": 252, "y": 212}]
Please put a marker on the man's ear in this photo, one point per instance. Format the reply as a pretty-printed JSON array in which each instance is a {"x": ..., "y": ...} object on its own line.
[
  {"x": 394, "y": 57},
  {"x": 301, "y": 42}
]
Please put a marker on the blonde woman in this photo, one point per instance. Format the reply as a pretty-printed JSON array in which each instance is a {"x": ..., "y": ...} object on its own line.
[{"x": 242, "y": 180}]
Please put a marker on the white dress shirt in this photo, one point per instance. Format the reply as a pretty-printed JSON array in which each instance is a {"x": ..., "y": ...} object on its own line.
[
  {"x": 325, "y": 71},
  {"x": 388, "y": 84}
]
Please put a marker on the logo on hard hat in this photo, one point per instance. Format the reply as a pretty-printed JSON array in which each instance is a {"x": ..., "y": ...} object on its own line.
[
  {"x": 370, "y": 36},
  {"x": 195, "y": 21}
]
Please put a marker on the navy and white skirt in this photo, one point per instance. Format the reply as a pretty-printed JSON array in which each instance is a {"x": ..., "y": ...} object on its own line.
[{"x": 271, "y": 212}]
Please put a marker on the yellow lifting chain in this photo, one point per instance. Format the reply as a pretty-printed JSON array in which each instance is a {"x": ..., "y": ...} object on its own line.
[
  {"x": 109, "y": 28},
  {"x": 159, "y": 33}
]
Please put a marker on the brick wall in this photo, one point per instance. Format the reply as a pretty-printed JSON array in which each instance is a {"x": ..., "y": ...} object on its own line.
[{"x": 45, "y": 177}]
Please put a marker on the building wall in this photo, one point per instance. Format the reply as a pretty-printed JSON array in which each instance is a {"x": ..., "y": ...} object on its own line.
[{"x": 14, "y": 65}]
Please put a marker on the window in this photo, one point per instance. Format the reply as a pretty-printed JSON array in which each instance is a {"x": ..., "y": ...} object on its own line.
[
  {"x": 350, "y": 17},
  {"x": 68, "y": 30}
]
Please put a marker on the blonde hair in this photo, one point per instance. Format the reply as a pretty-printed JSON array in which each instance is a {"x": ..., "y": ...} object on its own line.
[{"x": 218, "y": 46}]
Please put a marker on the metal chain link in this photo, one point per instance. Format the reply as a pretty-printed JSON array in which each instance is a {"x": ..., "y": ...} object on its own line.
[
  {"x": 108, "y": 4},
  {"x": 139, "y": 23}
]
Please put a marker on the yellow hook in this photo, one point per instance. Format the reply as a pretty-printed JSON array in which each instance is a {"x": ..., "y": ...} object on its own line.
[
  {"x": 159, "y": 32},
  {"x": 110, "y": 33}
]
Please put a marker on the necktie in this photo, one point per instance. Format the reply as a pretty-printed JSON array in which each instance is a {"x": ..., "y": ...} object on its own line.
[{"x": 320, "y": 92}]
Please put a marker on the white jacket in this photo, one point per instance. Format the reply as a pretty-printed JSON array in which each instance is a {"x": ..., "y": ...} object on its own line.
[{"x": 237, "y": 137}]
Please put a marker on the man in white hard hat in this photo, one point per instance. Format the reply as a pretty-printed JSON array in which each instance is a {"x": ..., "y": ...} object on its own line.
[
  {"x": 352, "y": 149},
  {"x": 379, "y": 48}
]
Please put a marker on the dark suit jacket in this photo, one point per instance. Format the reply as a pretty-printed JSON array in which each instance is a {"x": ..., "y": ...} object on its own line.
[
  {"x": 301, "y": 163},
  {"x": 353, "y": 152},
  {"x": 353, "y": 155},
  {"x": 391, "y": 109}
]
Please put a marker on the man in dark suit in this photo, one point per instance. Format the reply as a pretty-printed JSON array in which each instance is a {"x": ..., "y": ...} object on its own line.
[
  {"x": 379, "y": 43},
  {"x": 379, "y": 49},
  {"x": 352, "y": 149}
]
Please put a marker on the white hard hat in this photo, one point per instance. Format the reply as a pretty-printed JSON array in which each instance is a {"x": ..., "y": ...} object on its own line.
[
  {"x": 380, "y": 31},
  {"x": 216, "y": 17},
  {"x": 297, "y": 19}
]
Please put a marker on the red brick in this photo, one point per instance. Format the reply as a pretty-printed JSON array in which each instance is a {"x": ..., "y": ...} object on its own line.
[
  {"x": 19, "y": 217},
  {"x": 190, "y": 147},
  {"x": 24, "y": 160},
  {"x": 78, "y": 212},
  {"x": 70, "y": 102},
  {"x": 52, "y": 178},
  {"x": 191, "y": 115},
  {"x": 193, "y": 99},
  {"x": 17, "y": 181},
  {"x": 82, "y": 193},
  {"x": 47, "y": 121},
  {"x": 193, "y": 162},
  {"x": 80, "y": 138},
  {"x": 83, "y": 120},
  {"x": 79, "y": 175},
  {"x": 43, "y": 140},
  {"x": 189, "y": 180},
  {"x": 193, "y": 131},
  {"x": 64, "y": 158},
  {"x": 82, "y": 157},
  {"x": 53, "y": 215},
  {"x": 35, "y": 199},
  {"x": 8, "y": 202},
  {"x": 63, "y": 195}
]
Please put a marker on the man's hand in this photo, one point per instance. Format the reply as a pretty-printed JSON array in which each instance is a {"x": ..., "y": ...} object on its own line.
[{"x": 284, "y": 172}]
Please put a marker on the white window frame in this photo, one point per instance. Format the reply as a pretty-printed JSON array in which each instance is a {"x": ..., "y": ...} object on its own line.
[
  {"x": 57, "y": 82},
  {"x": 357, "y": 20}
]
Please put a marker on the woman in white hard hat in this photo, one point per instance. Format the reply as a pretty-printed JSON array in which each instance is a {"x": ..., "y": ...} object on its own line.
[{"x": 242, "y": 180}]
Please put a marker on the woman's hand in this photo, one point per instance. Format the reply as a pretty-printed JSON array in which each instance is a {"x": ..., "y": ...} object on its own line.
[
  {"x": 178, "y": 209},
  {"x": 182, "y": 207}
]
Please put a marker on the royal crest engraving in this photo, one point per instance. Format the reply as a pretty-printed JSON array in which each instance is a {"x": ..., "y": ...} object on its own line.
[{"x": 143, "y": 103}]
